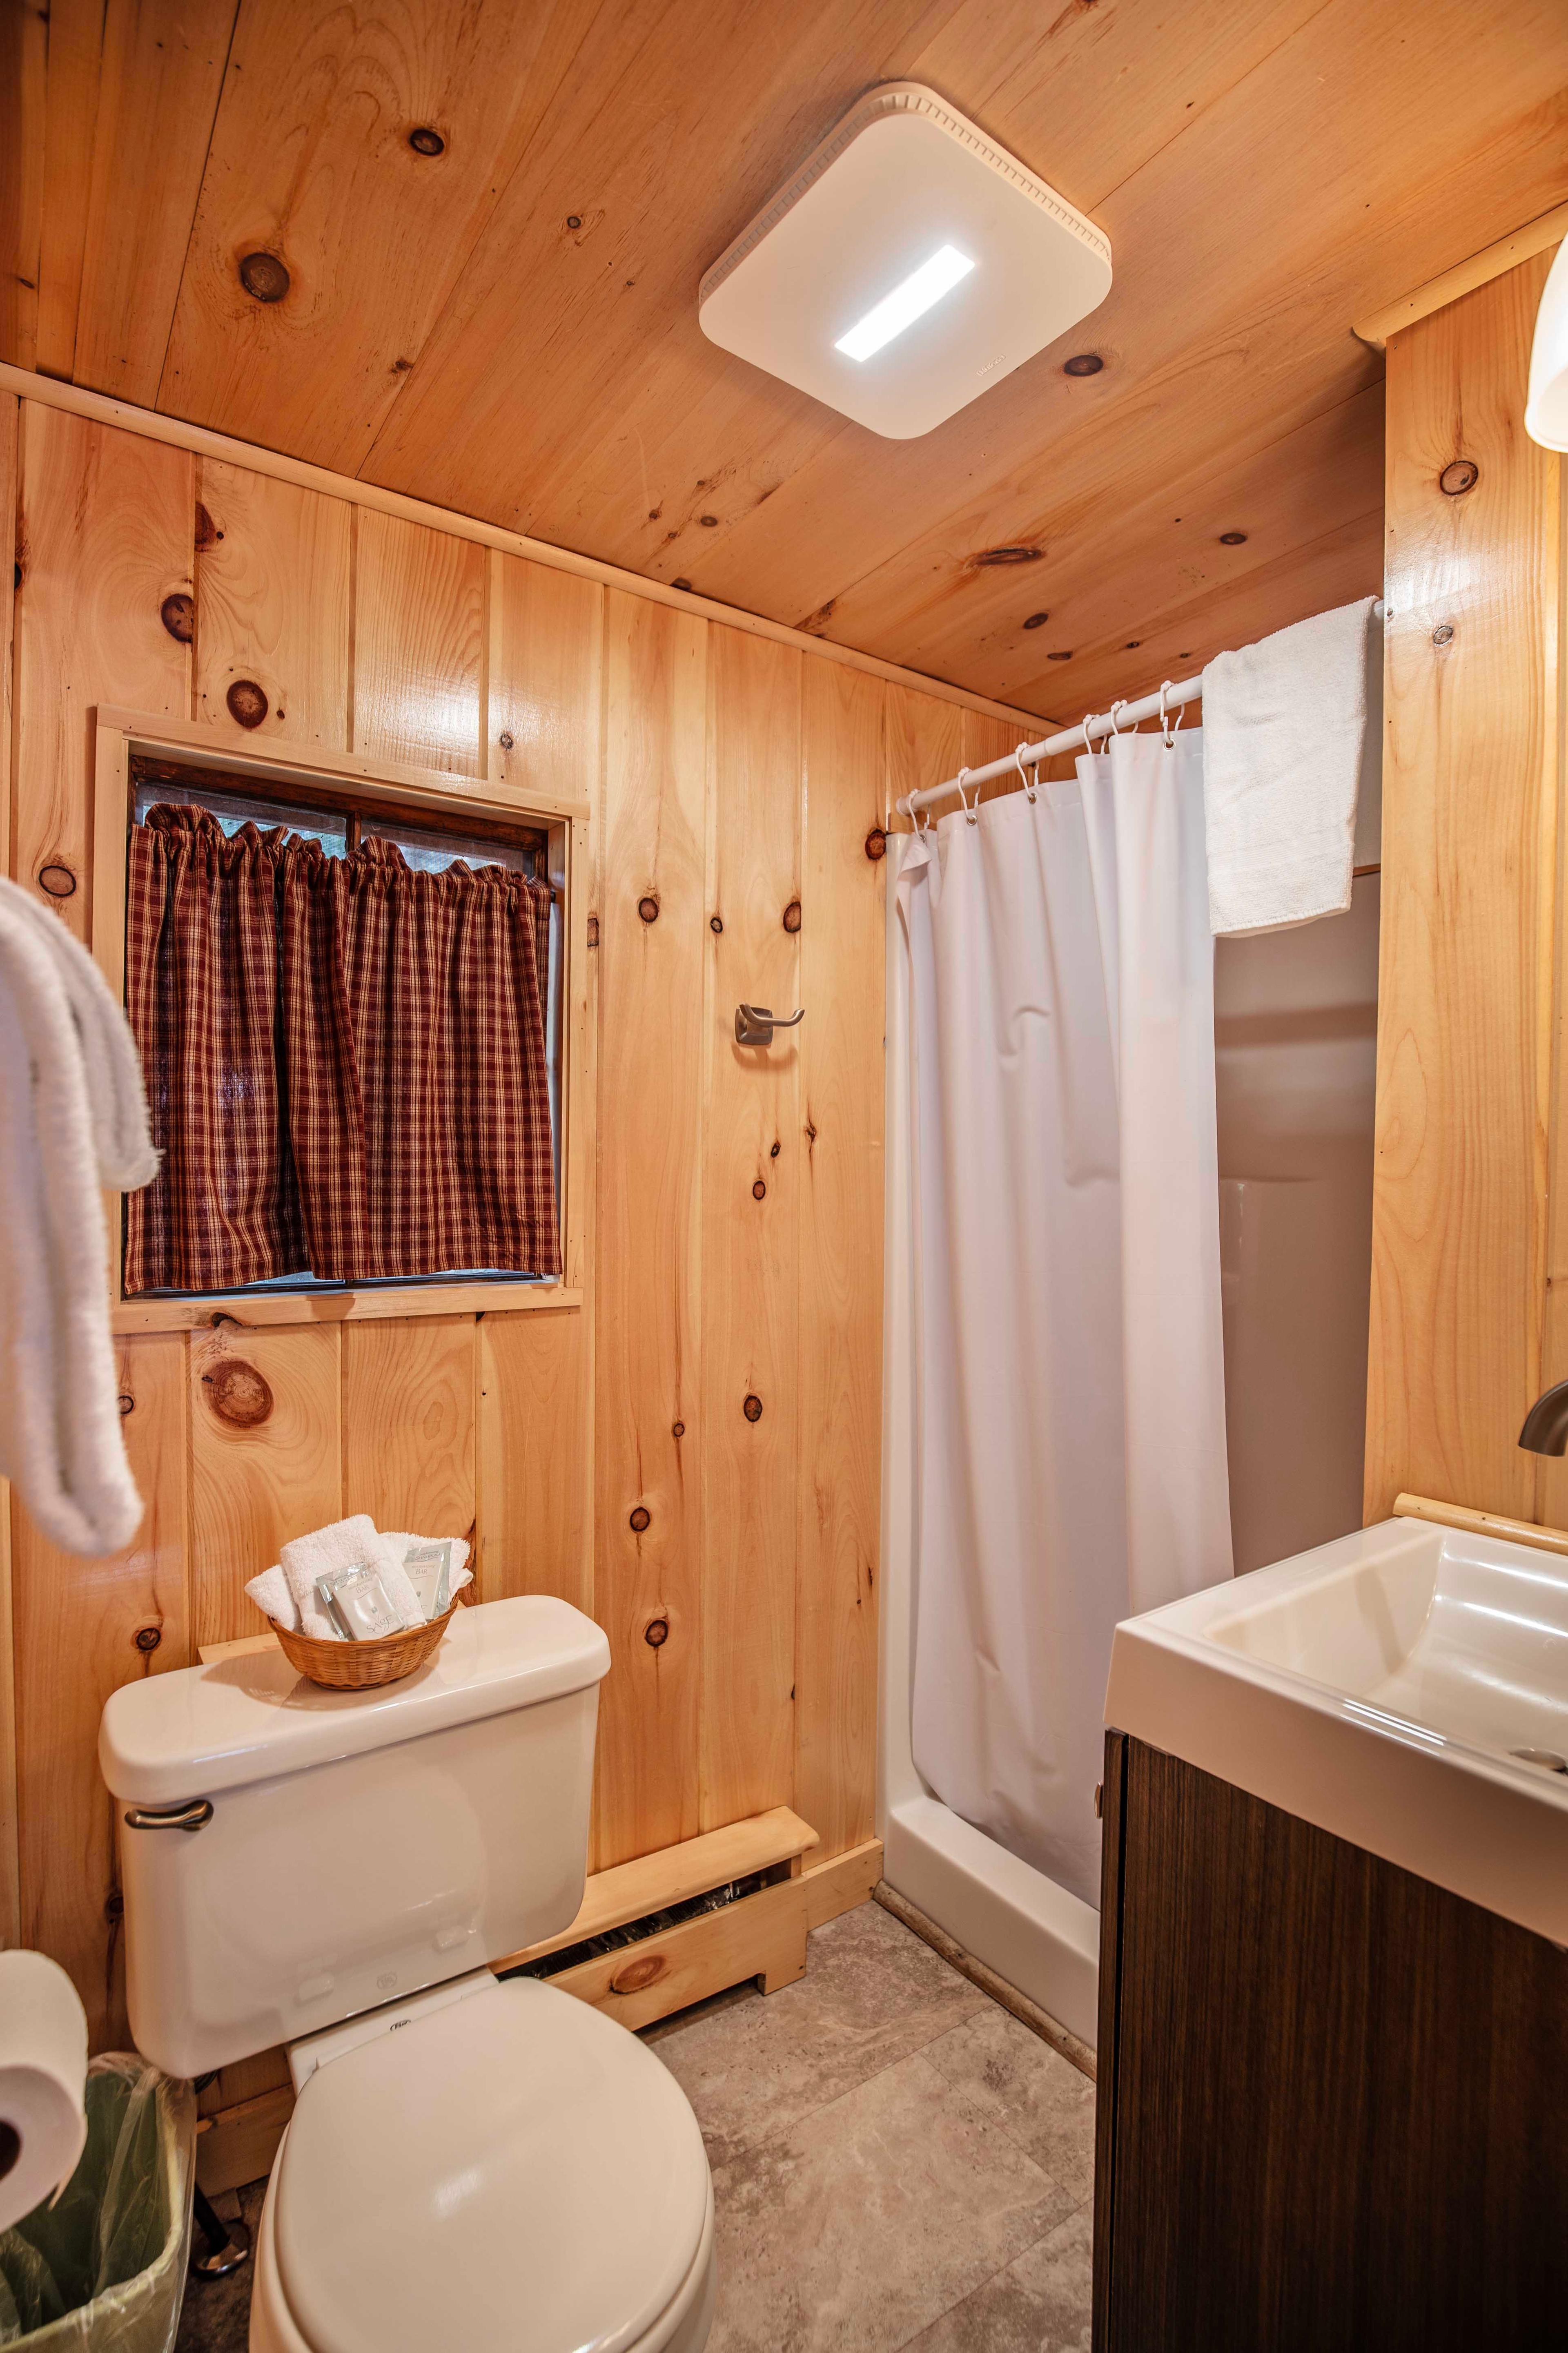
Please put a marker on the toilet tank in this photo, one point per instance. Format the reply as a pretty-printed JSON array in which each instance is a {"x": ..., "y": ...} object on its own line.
[{"x": 353, "y": 1846}]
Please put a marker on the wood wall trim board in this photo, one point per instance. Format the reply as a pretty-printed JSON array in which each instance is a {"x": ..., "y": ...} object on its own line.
[
  {"x": 1547, "y": 229},
  {"x": 255, "y": 1311},
  {"x": 1480, "y": 1524},
  {"x": 387, "y": 779},
  {"x": 841, "y": 1882},
  {"x": 1462, "y": 1335},
  {"x": 654, "y": 1883},
  {"x": 75, "y": 400}
]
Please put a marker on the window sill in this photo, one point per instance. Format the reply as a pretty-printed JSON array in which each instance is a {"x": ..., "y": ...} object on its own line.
[{"x": 255, "y": 1311}]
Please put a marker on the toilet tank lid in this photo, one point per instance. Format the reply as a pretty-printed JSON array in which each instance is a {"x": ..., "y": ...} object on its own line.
[{"x": 197, "y": 1730}]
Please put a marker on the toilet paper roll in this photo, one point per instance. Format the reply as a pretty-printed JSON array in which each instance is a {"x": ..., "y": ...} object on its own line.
[{"x": 43, "y": 2074}]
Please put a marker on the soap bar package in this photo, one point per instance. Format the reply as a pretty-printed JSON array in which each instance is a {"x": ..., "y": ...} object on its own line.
[
  {"x": 357, "y": 1602},
  {"x": 429, "y": 1570}
]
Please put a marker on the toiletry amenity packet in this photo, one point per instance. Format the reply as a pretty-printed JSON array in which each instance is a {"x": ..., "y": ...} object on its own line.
[
  {"x": 358, "y": 1603},
  {"x": 429, "y": 1565}
]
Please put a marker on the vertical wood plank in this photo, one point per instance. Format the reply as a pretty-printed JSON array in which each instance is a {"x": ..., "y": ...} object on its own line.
[
  {"x": 842, "y": 981},
  {"x": 106, "y": 538},
  {"x": 533, "y": 1526},
  {"x": 409, "y": 1398},
  {"x": 753, "y": 1139},
  {"x": 986, "y": 739},
  {"x": 273, "y": 577},
  {"x": 924, "y": 746},
  {"x": 420, "y": 647},
  {"x": 76, "y": 1625},
  {"x": 24, "y": 72},
  {"x": 1469, "y": 817},
  {"x": 265, "y": 1459},
  {"x": 649, "y": 1433},
  {"x": 545, "y": 663}
]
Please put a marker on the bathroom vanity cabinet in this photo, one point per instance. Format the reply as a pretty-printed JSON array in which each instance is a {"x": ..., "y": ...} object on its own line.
[{"x": 1333, "y": 2098}]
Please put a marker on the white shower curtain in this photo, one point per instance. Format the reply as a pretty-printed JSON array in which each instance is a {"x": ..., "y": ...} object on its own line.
[{"x": 1053, "y": 968}]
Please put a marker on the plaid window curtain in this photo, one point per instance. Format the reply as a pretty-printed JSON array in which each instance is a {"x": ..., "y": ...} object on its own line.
[{"x": 346, "y": 1062}]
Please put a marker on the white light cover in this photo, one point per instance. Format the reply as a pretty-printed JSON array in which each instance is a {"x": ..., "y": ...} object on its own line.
[
  {"x": 906, "y": 303},
  {"x": 849, "y": 239},
  {"x": 1546, "y": 411}
]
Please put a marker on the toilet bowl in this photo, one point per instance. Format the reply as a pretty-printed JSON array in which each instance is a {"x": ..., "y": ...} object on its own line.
[
  {"x": 481, "y": 2165},
  {"x": 514, "y": 2174}
]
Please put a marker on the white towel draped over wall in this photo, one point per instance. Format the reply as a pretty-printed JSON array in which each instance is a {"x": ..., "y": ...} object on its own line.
[{"x": 73, "y": 1119}]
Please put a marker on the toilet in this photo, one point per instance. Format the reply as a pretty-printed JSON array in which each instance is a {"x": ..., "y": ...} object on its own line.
[{"x": 470, "y": 2161}]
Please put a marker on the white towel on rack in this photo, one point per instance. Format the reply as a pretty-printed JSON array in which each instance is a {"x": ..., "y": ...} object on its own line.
[
  {"x": 1284, "y": 728},
  {"x": 72, "y": 1116}
]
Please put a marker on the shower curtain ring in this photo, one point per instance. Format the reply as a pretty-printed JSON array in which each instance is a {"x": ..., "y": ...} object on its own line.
[
  {"x": 1029, "y": 789},
  {"x": 971, "y": 808},
  {"x": 1166, "y": 729},
  {"x": 1090, "y": 721},
  {"x": 1115, "y": 723}
]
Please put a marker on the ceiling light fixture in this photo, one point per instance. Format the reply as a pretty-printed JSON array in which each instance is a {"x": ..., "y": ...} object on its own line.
[
  {"x": 906, "y": 303},
  {"x": 950, "y": 262}
]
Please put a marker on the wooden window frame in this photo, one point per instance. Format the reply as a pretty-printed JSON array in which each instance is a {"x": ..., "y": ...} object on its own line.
[{"x": 118, "y": 736}]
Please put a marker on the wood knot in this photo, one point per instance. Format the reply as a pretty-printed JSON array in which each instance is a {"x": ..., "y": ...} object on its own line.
[
  {"x": 57, "y": 881},
  {"x": 681, "y": 584},
  {"x": 759, "y": 1190},
  {"x": 876, "y": 843},
  {"x": 715, "y": 924},
  {"x": 114, "y": 1908},
  {"x": 1233, "y": 539},
  {"x": 1459, "y": 477},
  {"x": 1083, "y": 364},
  {"x": 990, "y": 556},
  {"x": 126, "y": 1403},
  {"x": 264, "y": 277},
  {"x": 773, "y": 1150},
  {"x": 247, "y": 702},
  {"x": 792, "y": 916},
  {"x": 427, "y": 140},
  {"x": 647, "y": 908},
  {"x": 207, "y": 532},
  {"x": 574, "y": 220},
  {"x": 239, "y": 1394},
  {"x": 147, "y": 1637},
  {"x": 678, "y": 1430},
  {"x": 593, "y": 930},
  {"x": 640, "y": 1519},
  {"x": 1443, "y": 635},
  {"x": 1036, "y": 620},
  {"x": 752, "y": 1408},
  {"x": 656, "y": 1634},
  {"x": 507, "y": 739},
  {"x": 633, "y": 1977},
  {"x": 178, "y": 614},
  {"x": 708, "y": 522}
]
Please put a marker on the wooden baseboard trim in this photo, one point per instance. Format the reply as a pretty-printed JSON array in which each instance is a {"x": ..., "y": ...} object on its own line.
[{"x": 1027, "y": 2013}]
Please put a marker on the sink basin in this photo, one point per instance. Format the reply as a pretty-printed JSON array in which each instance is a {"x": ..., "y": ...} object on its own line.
[{"x": 1405, "y": 1688}]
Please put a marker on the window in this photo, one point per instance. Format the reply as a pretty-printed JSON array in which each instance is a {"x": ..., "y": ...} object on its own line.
[{"x": 348, "y": 1016}]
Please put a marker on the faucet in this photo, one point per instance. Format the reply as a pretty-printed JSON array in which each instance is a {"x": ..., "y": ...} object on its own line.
[{"x": 1545, "y": 1428}]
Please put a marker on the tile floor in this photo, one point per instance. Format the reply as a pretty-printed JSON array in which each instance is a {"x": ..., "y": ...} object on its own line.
[{"x": 897, "y": 2163}]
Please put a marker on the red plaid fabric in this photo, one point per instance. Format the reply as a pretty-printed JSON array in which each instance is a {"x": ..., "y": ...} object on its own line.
[{"x": 405, "y": 1019}]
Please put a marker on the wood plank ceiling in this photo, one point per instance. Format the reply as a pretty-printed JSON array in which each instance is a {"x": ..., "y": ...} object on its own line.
[{"x": 508, "y": 326}]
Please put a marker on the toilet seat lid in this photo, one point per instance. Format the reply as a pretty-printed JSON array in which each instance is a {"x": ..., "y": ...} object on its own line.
[{"x": 513, "y": 2174}]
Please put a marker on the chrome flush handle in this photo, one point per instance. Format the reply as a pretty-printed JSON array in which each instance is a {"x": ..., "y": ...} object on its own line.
[{"x": 187, "y": 1816}]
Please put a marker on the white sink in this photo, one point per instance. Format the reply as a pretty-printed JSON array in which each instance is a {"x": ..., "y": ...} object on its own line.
[{"x": 1382, "y": 1687}]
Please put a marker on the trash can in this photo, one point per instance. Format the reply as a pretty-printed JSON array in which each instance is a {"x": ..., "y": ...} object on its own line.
[{"x": 102, "y": 2269}]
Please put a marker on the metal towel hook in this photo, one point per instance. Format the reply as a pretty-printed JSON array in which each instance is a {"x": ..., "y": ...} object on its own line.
[{"x": 755, "y": 1024}]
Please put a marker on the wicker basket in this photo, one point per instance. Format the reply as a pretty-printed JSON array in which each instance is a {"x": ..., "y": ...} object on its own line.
[{"x": 361, "y": 1666}]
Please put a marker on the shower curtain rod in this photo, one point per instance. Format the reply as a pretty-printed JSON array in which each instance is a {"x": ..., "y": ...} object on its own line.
[{"x": 1073, "y": 739}]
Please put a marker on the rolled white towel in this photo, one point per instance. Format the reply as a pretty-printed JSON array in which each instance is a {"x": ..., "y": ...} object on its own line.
[
  {"x": 270, "y": 1593},
  {"x": 342, "y": 1546}
]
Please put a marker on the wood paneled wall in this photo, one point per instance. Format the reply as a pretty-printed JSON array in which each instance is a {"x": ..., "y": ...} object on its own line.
[
  {"x": 1470, "y": 1246},
  {"x": 694, "y": 1454}
]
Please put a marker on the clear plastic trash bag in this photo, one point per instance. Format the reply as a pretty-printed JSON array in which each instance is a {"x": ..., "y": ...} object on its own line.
[{"x": 102, "y": 2270}]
